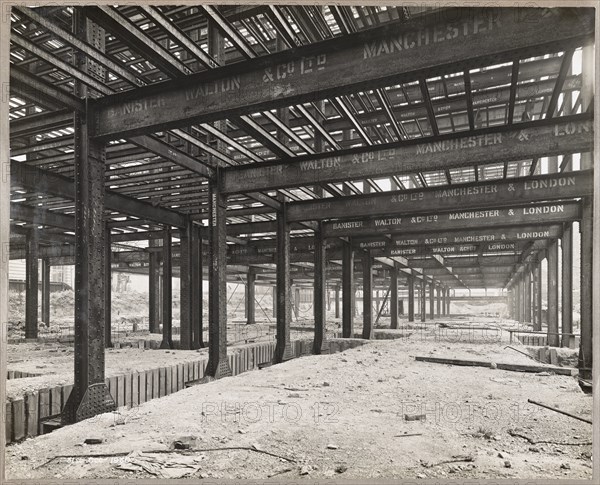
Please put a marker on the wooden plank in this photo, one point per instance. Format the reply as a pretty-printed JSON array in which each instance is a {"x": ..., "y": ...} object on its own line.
[
  {"x": 458, "y": 197},
  {"x": 8, "y": 423},
  {"x": 524, "y": 215},
  {"x": 18, "y": 419},
  {"x": 121, "y": 391},
  {"x": 127, "y": 388},
  {"x": 381, "y": 56},
  {"x": 66, "y": 392},
  {"x": 180, "y": 383},
  {"x": 31, "y": 413},
  {"x": 135, "y": 389},
  {"x": 155, "y": 383},
  {"x": 56, "y": 400},
  {"x": 565, "y": 371},
  {"x": 168, "y": 379},
  {"x": 142, "y": 387},
  {"x": 149, "y": 385},
  {"x": 43, "y": 406}
]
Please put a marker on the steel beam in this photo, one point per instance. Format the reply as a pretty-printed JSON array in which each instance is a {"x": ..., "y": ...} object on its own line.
[
  {"x": 458, "y": 196},
  {"x": 218, "y": 364},
  {"x": 320, "y": 293},
  {"x": 369, "y": 59},
  {"x": 550, "y": 213},
  {"x": 39, "y": 180},
  {"x": 569, "y": 134}
]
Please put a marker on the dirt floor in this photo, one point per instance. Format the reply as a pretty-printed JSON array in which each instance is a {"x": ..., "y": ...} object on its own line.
[{"x": 340, "y": 415}]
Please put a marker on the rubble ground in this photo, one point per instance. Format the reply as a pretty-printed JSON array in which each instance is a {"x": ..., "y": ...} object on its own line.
[{"x": 341, "y": 415}]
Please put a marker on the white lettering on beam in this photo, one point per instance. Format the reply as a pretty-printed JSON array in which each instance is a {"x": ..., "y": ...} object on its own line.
[
  {"x": 550, "y": 183},
  {"x": 460, "y": 143},
  {"x": 142, "y": 105},
  {"x": 216, "y": 87},
  {"x": 333, "y": 162},
  {"x": 429, "y": 35},
  {"x": 347, "y": 225},
  {"x": 546, "y": 209},
  {"x": 572, "y": 128},
  {"x": 474, "y": 214},
  {"x": 461, "y": 191}
]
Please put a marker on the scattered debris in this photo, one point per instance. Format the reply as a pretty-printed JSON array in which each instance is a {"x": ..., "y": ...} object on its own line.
[
  {"x": 534, "y": 442},
  {"x": 559, "y": 411},
  {"x": 93, "y": 441},
  {"x": 407, "y": 434},
  {"x": 280, "y": 472},
  {"x": 304, "y": 470},
  {"x": 332, "y": 447},
  {"x": 565, "y": 466},
  {"x": 341, "y": 468},
  {"x": 507, "y": 464},
  {"x": 415, "y": 417},
  {"x": 455, "y": 459}
]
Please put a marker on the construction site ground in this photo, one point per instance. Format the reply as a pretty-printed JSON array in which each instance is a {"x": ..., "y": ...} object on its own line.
[{"x": 340, "y": 415}]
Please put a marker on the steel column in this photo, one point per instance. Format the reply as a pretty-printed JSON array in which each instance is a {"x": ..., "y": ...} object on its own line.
[
  {"x": 438, "y": 309},
  {"x": 411, "y": 298},
  {"x": 448, "y": 303},
  {"x": 538, "y": 297},
  {"x": 337, "y": 301},
  {"x": 567, "y": 284},
  {"x": 46, "y": 291},
  {"x": 431, "y": 301},
  {"x": 167, "y": 296},
  {"x": 586, "y": 328},
  {"x": 90, "y": 395},
  {"x": 31, "y": 283},
  {"x": 185, "y": 286},
  {"x": 250, "y": 297},
  {"x": 348, "y": 292},
  {"x": 198, "y": 290},
  {"x": 527, "y": 295},
  {"x": 394, "y": 297},
  {"x": 423, "y": 300},
  {"x": 108, "y": 289},
  {"x": 283, "y": 346},
  {"x": 320, "y": 291},
  {"x": 218, "y": 364},
  {"x": 553, "y": 338},
  {"x": 154, "y": 288},
  {"x": 518, "y": 298},
  {"x": 367, "y": 267}
]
